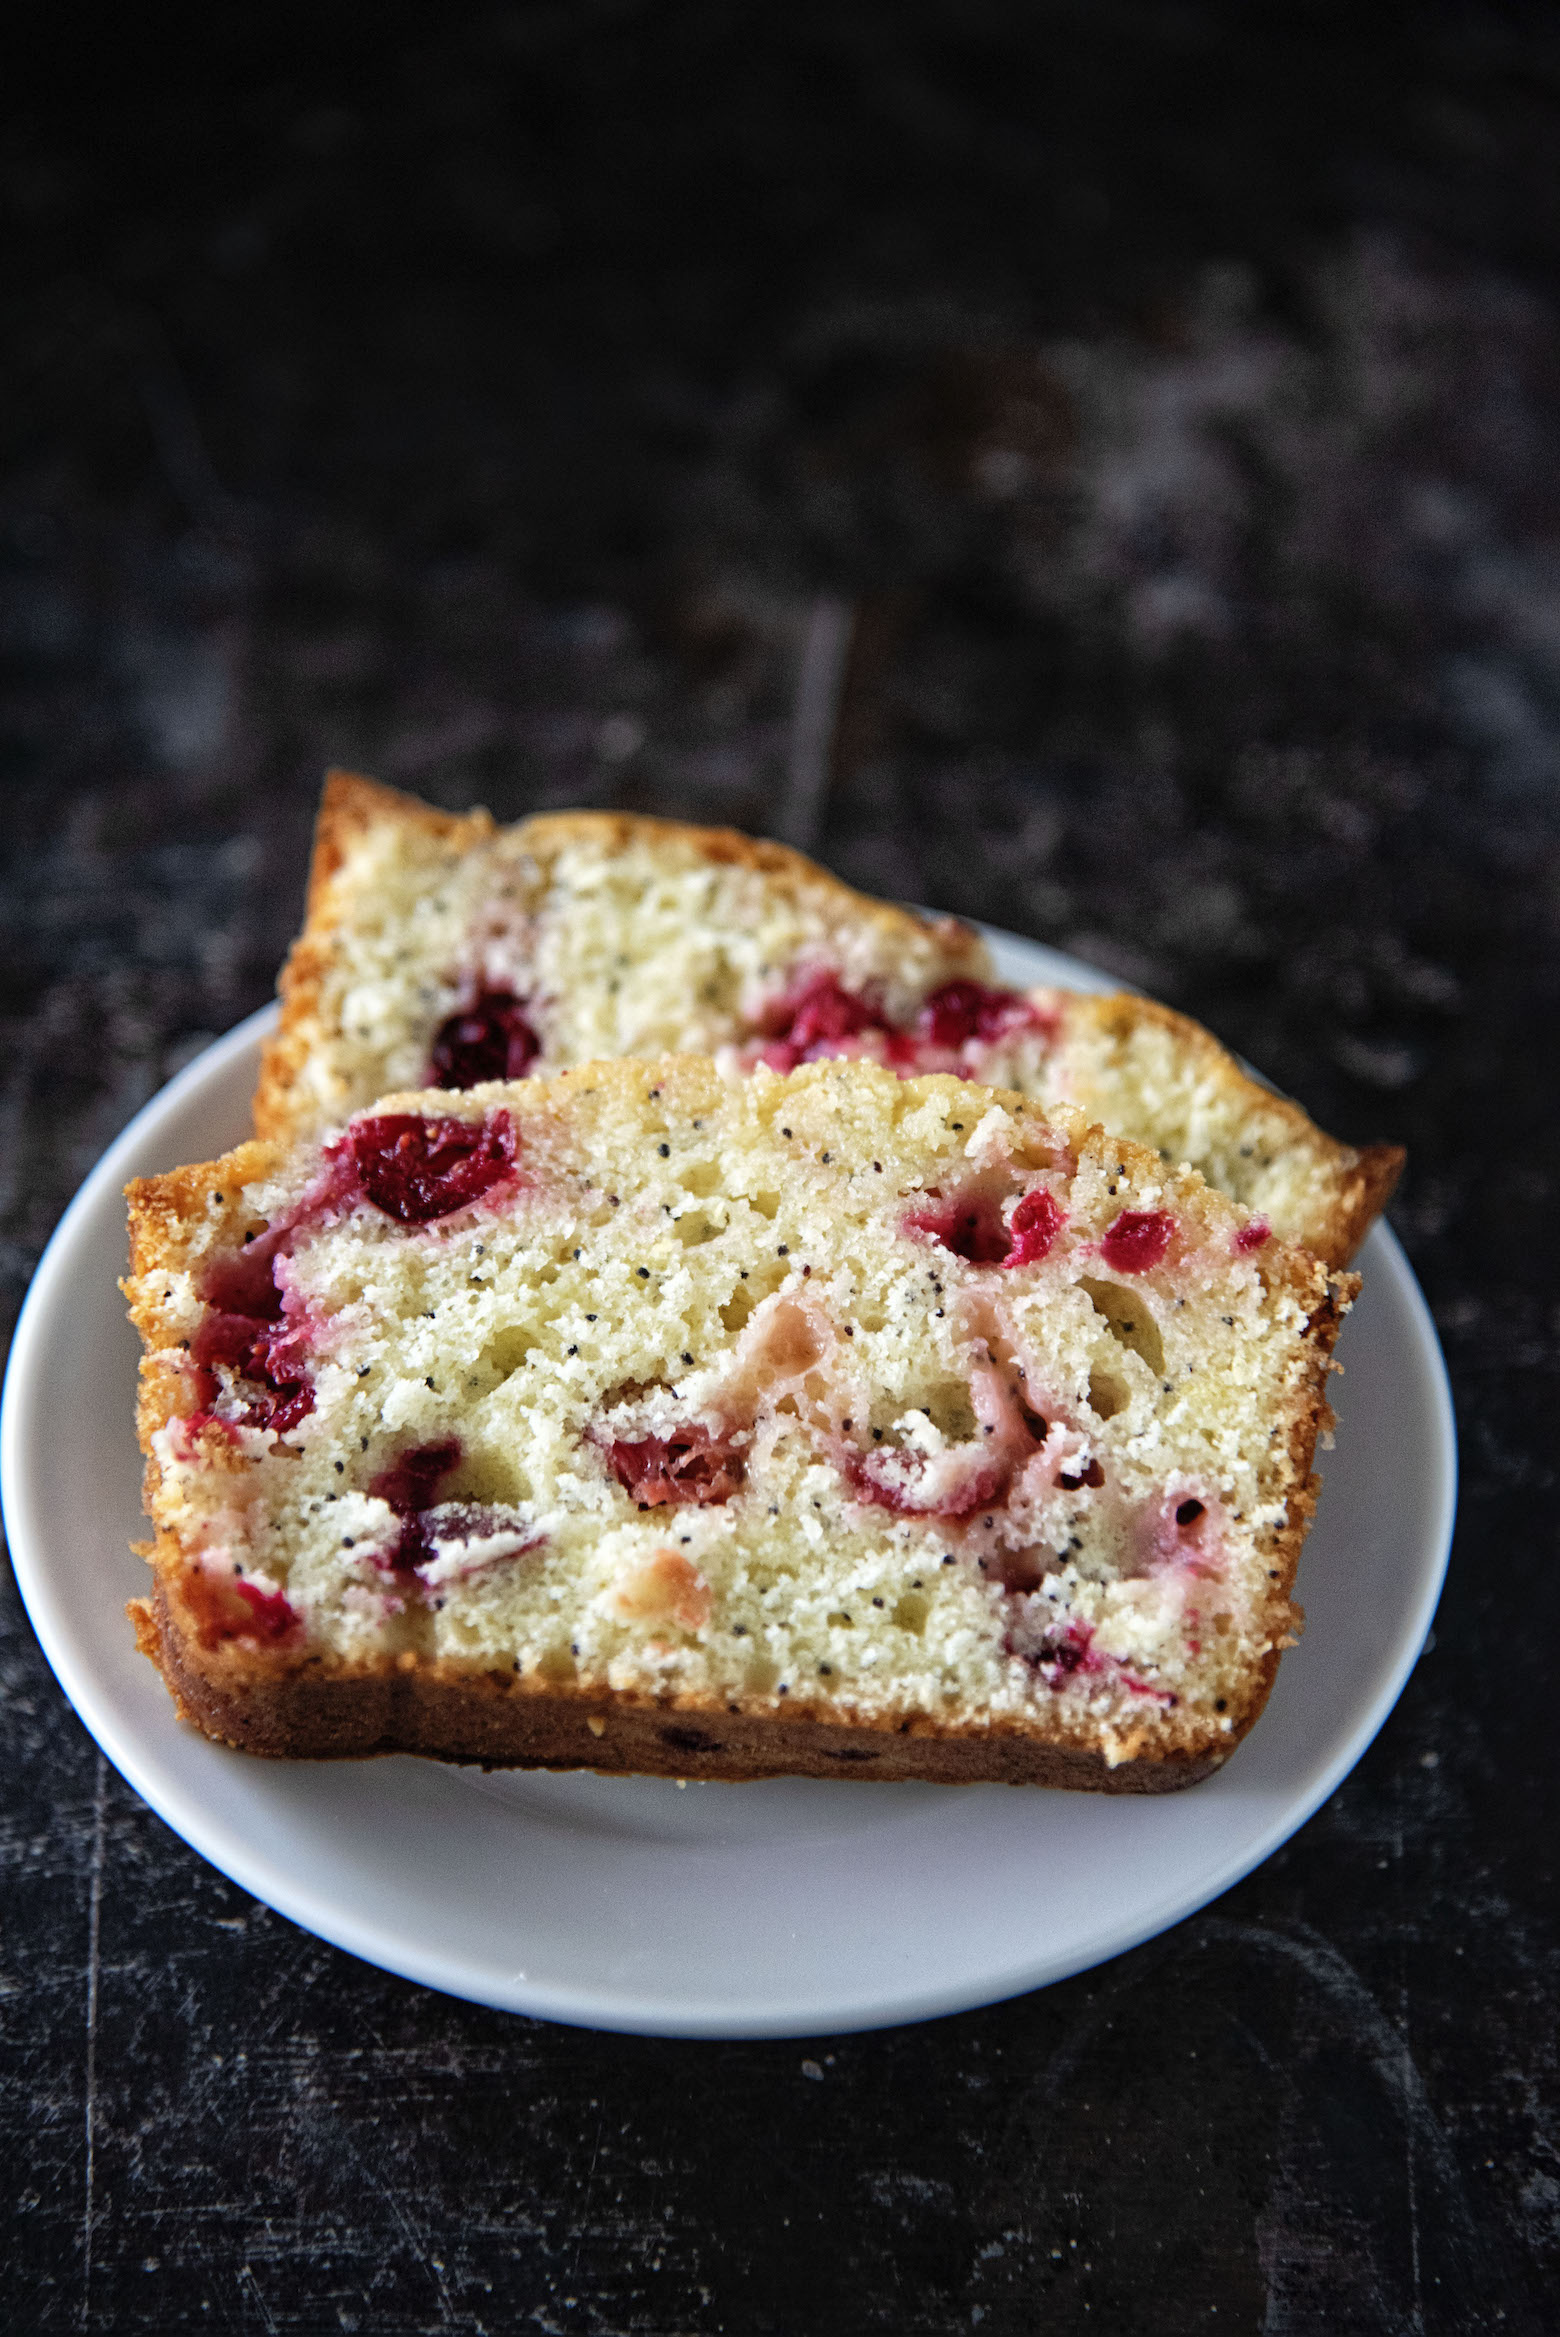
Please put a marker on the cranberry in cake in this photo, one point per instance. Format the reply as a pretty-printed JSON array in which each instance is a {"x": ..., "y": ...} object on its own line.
[
  {"x": 824, "y": 1421},
  {"x": 445, "y": 952}
]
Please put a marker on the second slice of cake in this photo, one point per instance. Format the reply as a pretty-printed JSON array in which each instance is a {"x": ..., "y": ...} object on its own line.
[
  {"x": 444, "y": 951},
  {"x": 828, "y": 1423}
]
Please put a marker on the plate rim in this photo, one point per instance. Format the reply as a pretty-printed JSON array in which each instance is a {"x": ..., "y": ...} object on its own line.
[{"x": 262, "y": 1874}]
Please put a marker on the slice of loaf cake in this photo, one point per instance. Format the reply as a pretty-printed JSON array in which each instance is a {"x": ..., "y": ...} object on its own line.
[
  {"x": 443, "y": 951},
  {"x": 639, "y": 1419}
]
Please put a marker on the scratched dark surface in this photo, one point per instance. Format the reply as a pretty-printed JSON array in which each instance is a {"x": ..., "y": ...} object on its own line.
[{"x": 491, "y": 399}]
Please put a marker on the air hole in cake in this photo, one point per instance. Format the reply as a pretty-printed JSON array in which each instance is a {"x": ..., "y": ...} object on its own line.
[
  {"x": 417, "y": 1169},
  {"x": 939, "y": 1412},
  {"x": 911, "y": 1611},
  {"x": 1108, "y": 1395},
  {"x": 504, "y": 1354},
  {"x": 701, "y": 1178},
  {"x": 489, "y": 1039},
  {"x": 734, "y": 1314},
  {"x": 949, "y": 1409},
  {"x": 694, "y": 1229},
  {"x": 1127, "y": 1317}
]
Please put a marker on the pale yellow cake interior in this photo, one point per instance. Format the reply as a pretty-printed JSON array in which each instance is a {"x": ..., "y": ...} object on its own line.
[
  {"x": 737, "y": 1254},
  {"x": 639, "y": 941}
]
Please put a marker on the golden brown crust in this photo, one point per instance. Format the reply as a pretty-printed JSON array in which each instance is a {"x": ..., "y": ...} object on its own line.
[
  {"x": 302, "y": 1710},
  {"x": 162, "y": 1211},
  {"x": 350, "y": 807},
  {"x": 1360, "y": 1181},
  {"x": 1372, "y": 1181}
]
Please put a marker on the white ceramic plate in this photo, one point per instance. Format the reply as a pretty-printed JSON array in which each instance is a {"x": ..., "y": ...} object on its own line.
[{"x": 793, "y": 1907}]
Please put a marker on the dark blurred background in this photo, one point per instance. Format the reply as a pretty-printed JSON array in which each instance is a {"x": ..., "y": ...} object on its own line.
[{"x": 1164, "y": 404}]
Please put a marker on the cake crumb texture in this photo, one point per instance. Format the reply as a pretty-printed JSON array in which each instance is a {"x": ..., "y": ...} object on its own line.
[
  {"x": 442, "y": 950},
  {"x": 635, "y": 1417}
]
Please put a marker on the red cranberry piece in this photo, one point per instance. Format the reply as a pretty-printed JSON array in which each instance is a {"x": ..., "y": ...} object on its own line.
[
  {"x": 1062, "y": 1653},
  {"x": 246, "y": 1329},
  {"x": 1138, "y": 1240},
  {"x": 242, "y": 1342},
  {"x": 904, "y": 1052},
  {"x": 235, "y": 1609},
  {"x": 245, "y": 1283},
  {"x": 875, "y": 1477},
  {"x": 961, "y": 1011},
  {"x": 417, "y": 1169},
  {"x": 1142, "y": 1688},
  {"x": 814, "y": 1020},
  {"x": 690, "y": 1466},
  {"x": 1252, "y": 1236},
  {"x": 271, "y": 1615},
  {"x": 281, "y": 1409},
  {"x": 489, "y": 1039},
  {"x": 257, "y": 1350},
  {"x": 1036, "y": 1222},
  {"x": 971, "y": 1227},
  {"x": 408, "y": 1484}
]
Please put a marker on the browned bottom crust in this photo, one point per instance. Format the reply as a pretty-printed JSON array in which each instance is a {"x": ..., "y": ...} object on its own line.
[{"x": 299, "y": 1712}]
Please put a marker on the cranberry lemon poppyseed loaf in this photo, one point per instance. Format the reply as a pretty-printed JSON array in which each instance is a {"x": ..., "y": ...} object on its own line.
[
  {"x": 637, "y": 1419},
  {"x": 443, "y": 951}
]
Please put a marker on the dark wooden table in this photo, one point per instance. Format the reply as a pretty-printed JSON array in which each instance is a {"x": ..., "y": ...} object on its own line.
[{"x": 1092, "y": 467}]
